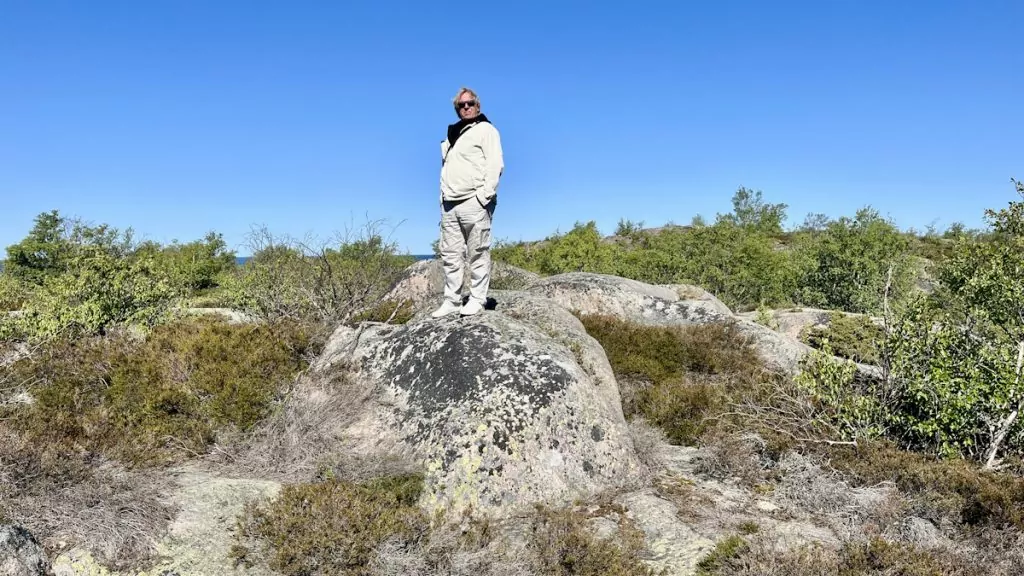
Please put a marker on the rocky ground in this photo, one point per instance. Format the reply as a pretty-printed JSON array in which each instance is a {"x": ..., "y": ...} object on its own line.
[{"x": 500, "y": 411}]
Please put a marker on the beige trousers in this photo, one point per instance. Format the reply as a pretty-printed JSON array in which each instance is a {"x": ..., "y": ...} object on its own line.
[{"x": 466, "y": 239}]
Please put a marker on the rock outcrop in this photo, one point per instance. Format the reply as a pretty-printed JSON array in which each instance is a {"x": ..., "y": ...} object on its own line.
[
  {"x": 664, "y": 305},
  {"x": 794, "y": 322},
  {"x": 500, "y": 409},
  {"x": 20, "y": 553}
]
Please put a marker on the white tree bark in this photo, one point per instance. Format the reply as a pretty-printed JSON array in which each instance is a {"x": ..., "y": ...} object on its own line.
[{"x": 1007, "y": 423}]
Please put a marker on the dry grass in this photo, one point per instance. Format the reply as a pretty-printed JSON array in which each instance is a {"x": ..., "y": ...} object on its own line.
[
  {"x": 760, "y": 556},
  {"x": 156, "y": 400},
  {"x": 565, "y": 547},
  {"x": 736, "y": 455},
  {"x": 956, "y": 492},
  {"x": 301, "y": 440},
  {"x": 63, "y": 497},
  {"x": 469, "y": 547},
  {"x": 646, "y": 439}
]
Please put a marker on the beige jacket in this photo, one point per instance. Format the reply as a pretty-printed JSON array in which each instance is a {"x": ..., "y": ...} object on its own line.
[{"x": 473, "y": 166}]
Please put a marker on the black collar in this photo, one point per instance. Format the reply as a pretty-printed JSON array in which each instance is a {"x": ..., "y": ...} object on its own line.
[{"x": 460, "y": 127}]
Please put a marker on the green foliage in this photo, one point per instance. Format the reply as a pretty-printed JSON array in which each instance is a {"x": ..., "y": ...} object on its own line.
[
  {"x": 688, "y": 371},
  {"x": 581, "y": 250},
  {"x": 725, "y": 550},
  {"x": 752, "y": 213},
  {"x": 765, "y": 317},
  {"x": 566, "y": 548},
  {"x": 331, "y": 527},
  {"x": 159, "y": 399},
  {"x": 41, "y": 253},
  {"x": 857, "y": 338},
  {"x": 845, "y": 266},
  {"x": 740, "y": 263},
  {"x": 386, "y": 311},
  {"x": 14, "y": 292},
  {"x": 73, "y": 279},
  {"x": 326, "y": 285},
  {"x": 193, "y": 266},
  {"x": 956, "y": 382},
  {"x": 100, "y": 284},
  {"x": 629, "y": 229},
  {"x": 745, "y": 257},
  {"x": 853, "y": 409},
  {"x": 957, "y": 353}
]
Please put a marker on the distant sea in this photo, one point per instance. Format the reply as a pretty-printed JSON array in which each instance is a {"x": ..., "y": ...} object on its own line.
[{"x": 243, "y": 259}]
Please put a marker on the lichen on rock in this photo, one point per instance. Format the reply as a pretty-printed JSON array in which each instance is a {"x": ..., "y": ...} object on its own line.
[{"x": 499, "y": 412}]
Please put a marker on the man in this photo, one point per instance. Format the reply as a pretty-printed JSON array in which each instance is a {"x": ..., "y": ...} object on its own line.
[{"x": 471, "y": 165}]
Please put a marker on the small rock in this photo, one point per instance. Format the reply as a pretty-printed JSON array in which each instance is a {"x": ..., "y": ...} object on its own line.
[{"x": 20, "y": 553}]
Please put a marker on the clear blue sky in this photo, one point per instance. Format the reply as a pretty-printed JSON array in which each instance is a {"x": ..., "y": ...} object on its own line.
[{"x": 180, "y": 117}]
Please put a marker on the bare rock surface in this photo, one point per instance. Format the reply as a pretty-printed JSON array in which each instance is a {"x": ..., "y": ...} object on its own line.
[
  {"x": 20, "y": 553},
  {"x": 589, "y": 293},
  {"x": 794, "y": 322},
  {"x": 672, "y": 545},
  {"x": 199, "y": 539},
  {"x": 498, "y": 411}
]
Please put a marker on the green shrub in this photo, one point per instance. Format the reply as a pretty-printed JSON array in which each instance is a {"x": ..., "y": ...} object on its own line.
[
  {"x": 856, "y": 338},
  {"x": 765, "y": 317},
  {"x": 42, "y": 252},
  {"x": 13, "y": 292},
  {"x": 745, "y": 257},
  {"x": 386, "y": 311},
  {"x": 845, "y": 266},
  {"x": 725, "y": 550},
  {"x": 958, "y": 352},
  {"x": 839, "y": 401},
  {"x": 159, "y": 399},
  {"x": 86, "y": 280},
  {"x": 99, "y": 289},
  {"x": 194, "y": 266},
  {"x": 689, "y": 372},
  {"x": 325, "y": 285},
  {"x": 331, "y": 527}
]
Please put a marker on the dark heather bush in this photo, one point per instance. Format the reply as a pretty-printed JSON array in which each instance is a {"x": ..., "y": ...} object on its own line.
[{"x": 161, "y": 398}]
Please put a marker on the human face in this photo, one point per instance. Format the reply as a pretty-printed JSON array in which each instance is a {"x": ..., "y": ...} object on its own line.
[{"x": 467, "y": 106}]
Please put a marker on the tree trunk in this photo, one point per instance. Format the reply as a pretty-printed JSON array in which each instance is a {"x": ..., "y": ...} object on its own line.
[{"x": 1004, "y": 428}]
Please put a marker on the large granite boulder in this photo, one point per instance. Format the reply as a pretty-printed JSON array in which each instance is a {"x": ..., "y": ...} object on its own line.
[
  {"x": 501, "y": 409},
  {"x": 20, "y": 553}
]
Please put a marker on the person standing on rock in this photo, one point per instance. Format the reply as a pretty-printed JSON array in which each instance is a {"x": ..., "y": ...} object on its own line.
[{"x": 471, "y": 165}]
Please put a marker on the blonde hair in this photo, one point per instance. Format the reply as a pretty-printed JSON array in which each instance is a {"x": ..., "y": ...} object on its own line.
[{"x": 464, "y": 90}]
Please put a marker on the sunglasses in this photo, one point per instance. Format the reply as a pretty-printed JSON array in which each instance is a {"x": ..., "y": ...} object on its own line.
[{"x": 466, "y": 104}]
